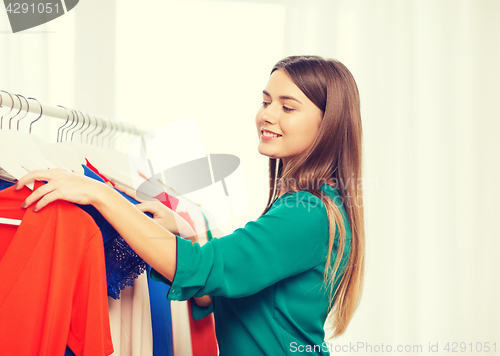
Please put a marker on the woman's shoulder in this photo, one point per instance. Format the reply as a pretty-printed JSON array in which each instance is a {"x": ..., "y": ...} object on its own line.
[
  {"x": 302, "y": 203},
  {"x": 303, "y": 200}
]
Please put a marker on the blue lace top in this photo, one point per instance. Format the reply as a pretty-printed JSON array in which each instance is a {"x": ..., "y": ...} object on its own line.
[{"x": 123, "y": 265}]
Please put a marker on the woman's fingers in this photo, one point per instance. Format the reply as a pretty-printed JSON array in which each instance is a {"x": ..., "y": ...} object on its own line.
[
  {"x": 143, "y": 207},
  {"x": 38, "y": 194},
  {"x": 161, "y": 214},
  {"x": 46, "y": 199},
  {"x": 131, "y": 193},
  {"x": 151, "y": 207},
  {"x": 63, "y": 185},
  {"x": 40, "y": 174}
]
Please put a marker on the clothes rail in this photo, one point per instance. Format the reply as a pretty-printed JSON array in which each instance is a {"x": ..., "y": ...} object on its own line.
[{"x": 19, "y": 104}]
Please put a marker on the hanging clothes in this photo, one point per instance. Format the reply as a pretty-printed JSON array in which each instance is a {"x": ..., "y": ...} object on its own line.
[
  {"x": 193, "y": 330},
  {"x": 130, "y": 308},
  {"x": 123, "y": 265},
  {"x": 130, "y": 319},
  {"x": 125, "y": 268},
  {"x": 53, "y": 280},
  {"x": 161, "y": 317},
  {"x": 130, "y": 316},
  {"x": 96, "y": 171}
]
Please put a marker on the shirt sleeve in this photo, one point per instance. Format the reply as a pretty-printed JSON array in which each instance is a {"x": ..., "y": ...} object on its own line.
[{"x": 292, "y": 237}]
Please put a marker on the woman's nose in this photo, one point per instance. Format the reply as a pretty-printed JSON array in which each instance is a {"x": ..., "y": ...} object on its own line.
[{"x": 268, "y": 116}]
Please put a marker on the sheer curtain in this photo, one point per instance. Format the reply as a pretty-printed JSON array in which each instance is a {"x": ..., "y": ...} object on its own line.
[
  {"x": 428, "y": 77},
  {"x": 68, "y": 61}
]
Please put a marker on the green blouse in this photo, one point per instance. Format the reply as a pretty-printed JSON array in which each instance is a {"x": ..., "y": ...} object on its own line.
[{"x": 265, "y": 279}]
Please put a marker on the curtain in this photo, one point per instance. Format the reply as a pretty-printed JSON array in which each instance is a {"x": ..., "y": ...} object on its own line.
[
  {"x": 63, "y": 62},
  {"x": 428, "y": 77}
]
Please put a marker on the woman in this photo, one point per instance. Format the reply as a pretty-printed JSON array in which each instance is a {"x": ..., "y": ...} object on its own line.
[{"x": 272, "y": 283}]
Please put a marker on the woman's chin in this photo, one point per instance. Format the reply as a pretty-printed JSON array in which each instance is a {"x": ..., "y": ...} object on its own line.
[
  {"x": 265, "y": 152},
  {"x": 268, "y": 155}
]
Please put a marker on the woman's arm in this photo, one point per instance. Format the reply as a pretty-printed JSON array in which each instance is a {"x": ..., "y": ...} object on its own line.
[
  {"x": 156, "y": 245},
  {"x": 163, "y": 216}
]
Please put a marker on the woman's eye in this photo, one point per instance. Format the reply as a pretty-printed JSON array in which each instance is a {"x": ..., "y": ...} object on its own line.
[
  {"x": 265, "y": 103},
  {"x": 287, "y": 109}
]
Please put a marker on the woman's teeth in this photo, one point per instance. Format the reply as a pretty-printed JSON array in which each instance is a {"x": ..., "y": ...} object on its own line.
[{"x": 268, "y": 134}]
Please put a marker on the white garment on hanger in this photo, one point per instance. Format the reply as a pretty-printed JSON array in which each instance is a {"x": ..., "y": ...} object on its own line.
[
  {"x": 181, "y": 329},
  {"x": 130, "y": 319}
]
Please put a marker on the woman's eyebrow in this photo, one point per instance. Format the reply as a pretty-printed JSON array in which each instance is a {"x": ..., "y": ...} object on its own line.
[{"x": 283, "y": 97}]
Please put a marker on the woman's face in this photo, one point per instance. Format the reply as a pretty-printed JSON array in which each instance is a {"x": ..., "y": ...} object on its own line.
[{"x": 287, "y": 112}]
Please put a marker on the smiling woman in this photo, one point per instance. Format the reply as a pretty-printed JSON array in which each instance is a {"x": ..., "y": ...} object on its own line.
[
  {"x": 314, "y": 103},
  {"x": 272, "y": 283}
]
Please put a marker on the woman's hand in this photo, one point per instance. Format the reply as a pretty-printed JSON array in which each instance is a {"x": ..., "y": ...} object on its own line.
[
  {"x": 163, "y": 215},
  {"x": 61, "y": 185}
]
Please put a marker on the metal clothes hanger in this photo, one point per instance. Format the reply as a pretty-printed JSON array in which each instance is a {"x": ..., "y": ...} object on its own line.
[
  {"x": 23, "y": 156},
  {"x": 19, "y": 96},
  {"x": 71, "y": 126},
  {"x": 26, "y": 150},
  {"x": 108, "y": 133},
  {"x": 20, "y": 108},
  {"x": 47, "y": 157},
  {"x": 39, "y": 116},
  {"x": 105, "y": 158},
  {"x": 89, "y": 152},
  {"x": 91, "y": 132},
  {"x": 59, "y": 132},
  {"x": 1, "y": 104},
  {"x": 6, "y": 161},
  {"x": 70, "y": 160},
  {"x": 7, "y": 221},
  {"x": 86, "y": 129},
  {"x": 64, "y": 144},
  {"x": 112, "y": 138},
  {"x": 83, "y": 124},
  {"x": 8, "y": 166},
  {"x": 30, "y": 150},
  {"x": 97, "y": 134}
]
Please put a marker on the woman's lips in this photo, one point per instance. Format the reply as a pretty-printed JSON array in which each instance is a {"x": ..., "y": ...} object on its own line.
[{"x": 269, "y": 137}]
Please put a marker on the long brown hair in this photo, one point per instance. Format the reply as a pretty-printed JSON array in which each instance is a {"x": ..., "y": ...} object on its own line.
[{"x": 334, "y": 156}]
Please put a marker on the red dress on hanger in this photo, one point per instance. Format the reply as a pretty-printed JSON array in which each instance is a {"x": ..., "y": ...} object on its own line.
[{"x": 53, "y": 281}]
